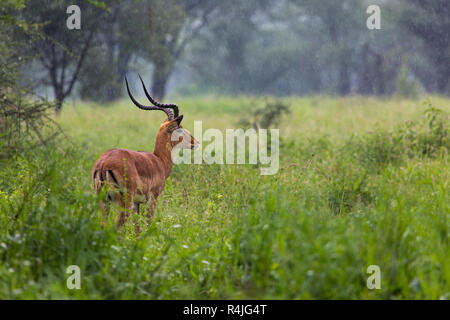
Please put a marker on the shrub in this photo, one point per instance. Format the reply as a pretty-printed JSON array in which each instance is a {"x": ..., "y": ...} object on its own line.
[
  {"x": 376, "y": 149},
  {"x": 267, "y": 116},
  {"x": 347, "y": 187},
  {"x": 98, "y": 82},
  {"x": 24, "y": 117},
  {"x": 405, "y": 86},
  {"x": 427, "y": 137}
]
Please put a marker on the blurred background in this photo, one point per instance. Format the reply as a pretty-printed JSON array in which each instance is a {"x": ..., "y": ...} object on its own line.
[{"x": 256, "y": 47}]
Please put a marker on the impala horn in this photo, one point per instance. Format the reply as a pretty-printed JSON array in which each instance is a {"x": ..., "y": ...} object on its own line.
[{"x": 166, "y": 108}]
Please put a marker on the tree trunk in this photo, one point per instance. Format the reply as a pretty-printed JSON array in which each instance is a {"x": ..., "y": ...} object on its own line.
[
  {"x": 159, "y": 81},
  {"x": 110, "y": 89},
  {"x": 344, "y": 78},
  {"x": 365, "y": 82},
  {"x": 443, "y": 86},
  {"x": 379, "y": 77},
  {"x": 58, "y": 107},
  {"x": 59, "y": 98},
  {"x": 123, "y": 60}
]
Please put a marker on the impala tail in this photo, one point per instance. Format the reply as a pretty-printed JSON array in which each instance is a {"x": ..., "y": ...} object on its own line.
[{"x": 107, "y": 178}]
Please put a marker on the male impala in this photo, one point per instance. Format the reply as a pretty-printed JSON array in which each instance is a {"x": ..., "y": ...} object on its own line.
[{"x": 137, "y": 177}]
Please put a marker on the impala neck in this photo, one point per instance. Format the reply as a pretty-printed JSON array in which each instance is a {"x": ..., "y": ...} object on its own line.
[{"x": 163, "y": 151}]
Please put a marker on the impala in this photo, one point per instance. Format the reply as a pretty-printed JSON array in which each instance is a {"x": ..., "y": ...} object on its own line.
[{"x": 137, "y": 177}]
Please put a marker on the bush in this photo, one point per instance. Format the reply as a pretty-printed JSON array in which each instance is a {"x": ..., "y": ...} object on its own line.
[
  {"x": 427, "y": 137},
  {"x": 347, "y": 187},
  {"x": 405, "y": 86},
  {"x": 24, "y": 118},
  {"x": 267, "y": 116},
  {"x": 377, "y": 149},
  {"x": 98, "y": 82}
]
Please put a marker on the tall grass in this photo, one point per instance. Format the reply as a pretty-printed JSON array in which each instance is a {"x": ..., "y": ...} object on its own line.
[{"x": 357, "y": 186}]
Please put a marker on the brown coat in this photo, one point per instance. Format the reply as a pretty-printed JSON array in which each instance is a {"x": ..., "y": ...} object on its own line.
[{"x": 136, "y": 177}]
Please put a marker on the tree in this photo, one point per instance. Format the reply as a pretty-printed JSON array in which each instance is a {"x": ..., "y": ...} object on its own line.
[
  {"x": 172, "y": 24},
  {"x": 22, "y": 114},
  {"x": 61, "y": 52},
  {"x": 340, "y": 22},
  {"x": 429, "y": 20},
  {"x": 119, "y": 39},
  {"x": 231, "y": 51}
]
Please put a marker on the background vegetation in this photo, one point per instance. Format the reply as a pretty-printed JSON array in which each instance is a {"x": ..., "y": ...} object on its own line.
[
  {"x": 288, "y": 47},
  {"x": 361, "y": 182},
  {"x": 363, "y": 174}
]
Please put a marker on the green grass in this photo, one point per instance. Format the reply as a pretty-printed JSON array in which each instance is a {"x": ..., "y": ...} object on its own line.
[{"x": 357, "y": 186}]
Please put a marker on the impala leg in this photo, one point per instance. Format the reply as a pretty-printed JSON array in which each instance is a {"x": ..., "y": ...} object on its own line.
[
  {"x": 126, "y": 206},
  {"x": 123, "y": 216},
  {"x": 104, "y": 205},
  {"x": 150, "y": 209},
  {"x": 137, "y": 228},
  {"x": 136, "y": 208}
]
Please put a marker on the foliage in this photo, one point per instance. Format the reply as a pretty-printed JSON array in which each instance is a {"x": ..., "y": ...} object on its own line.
[
  {"x": 425, "y": 137},
  {"x": 24, "y": 117},
  {"x": 99, "y": 83},
  {"x": 166, "y": 42},
  {"x": 118, "y": 42},
  {"x": 60, "y": 52},
  {"x": 429, "y": 136},
  {"x": 292, "y": 47},
  {"x": 429, "y": 20},
  {"x": 224, "y": 231},
  {"x": 405, "y": 86},
  {"x": 266, "y": 116}
]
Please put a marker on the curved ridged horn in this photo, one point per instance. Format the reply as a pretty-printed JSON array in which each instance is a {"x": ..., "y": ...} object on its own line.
[
  {"x": 168, "y": 112},
  {"x": 158, "y": 104}
]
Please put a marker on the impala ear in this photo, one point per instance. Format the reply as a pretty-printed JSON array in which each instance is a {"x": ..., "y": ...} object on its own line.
[{"x": 178, "y": 119}]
